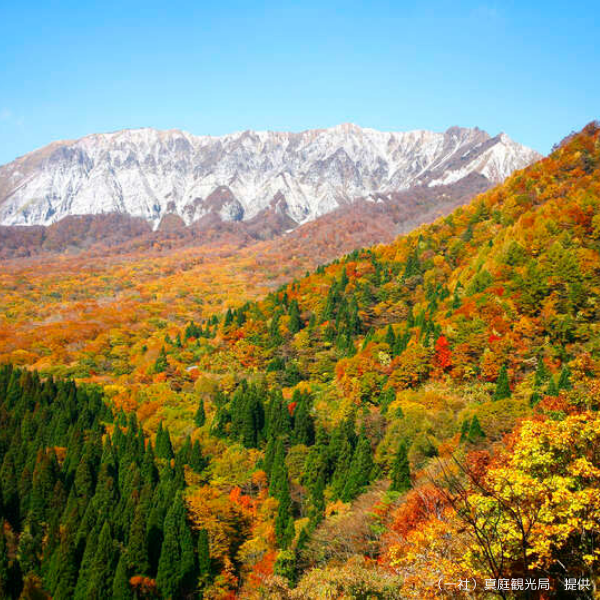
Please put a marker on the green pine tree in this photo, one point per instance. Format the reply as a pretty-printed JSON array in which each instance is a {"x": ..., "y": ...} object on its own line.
[
  {"x": 289, "y": 534},
  {"x": 121, "y": 590},
  {"x": 285, "y": 565},
  {"x": 295, "y": 323},
  {"x": 502, "y": 385},
  {"x": 316, "y": 510},
  {"x": 200, "y": 417},
  {"x": 401, "y": 470},
  {"x": 164, "y": 448},
  {"x": 534, "y": 398},
  {"x": 476, "y": 433},
  {"x": 197, "y": 461},
  {"x": 203, "y": 556},
  {"x": 386, "y": 398},
  {"x": 564, "y": 381},
  {"x": 541, "y": 373},
  {"x": 90, "y": 541},
  {"x": 161, "y": 363},
  {"x": 4, "y": 564},
  {"x": 360, "y": 470},
  {"x": 137, "y": 549},
  {"x": 342, "y": 467},
  {"x": 61, "y": 574},
  {"x": 168, "y": 576},
  {"x": 552, "y": 389},
  {"x": 187, "y": 564},
  {"x": 304, "y": 428},
  {"x": 279, "y": 474},
  {"x": 390, "y": 337},
  {"x": 283, "y": 513},
  {"x": 102, "y": 568}
]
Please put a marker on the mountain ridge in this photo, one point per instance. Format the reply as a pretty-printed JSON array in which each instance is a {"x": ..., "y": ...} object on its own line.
[{"x": 151, "y": 173}]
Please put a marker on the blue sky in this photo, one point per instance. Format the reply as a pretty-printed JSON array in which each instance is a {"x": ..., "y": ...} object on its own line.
[{"x": 72, "y": 68}]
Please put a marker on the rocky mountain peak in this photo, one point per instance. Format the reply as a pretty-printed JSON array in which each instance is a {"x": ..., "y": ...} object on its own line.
[{"x": 150, "y": 173}]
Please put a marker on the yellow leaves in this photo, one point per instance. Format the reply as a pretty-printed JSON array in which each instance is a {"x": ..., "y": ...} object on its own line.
[
  {"x": 235, "y": 466},
  {"x": 338, "y": 508},
  {"x": 546, "y": 494},
  {"x": 582, "y": 467},
  {"x": 437, "y": 549},
  {"x": 384, "y": 358},
  {"x": 210, "y": 509}
]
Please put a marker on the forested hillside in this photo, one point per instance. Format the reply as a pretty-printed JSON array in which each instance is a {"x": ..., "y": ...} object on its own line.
[{"x": 411, "y": 413}]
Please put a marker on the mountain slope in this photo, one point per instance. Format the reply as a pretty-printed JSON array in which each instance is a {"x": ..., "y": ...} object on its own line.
[
  {"x": 328, "y": 413},
  {"x": 432, "y": 348},
  {"x": 148, "y": 173}
]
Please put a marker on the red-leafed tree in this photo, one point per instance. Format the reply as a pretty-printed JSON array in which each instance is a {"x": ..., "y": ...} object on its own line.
[{"x": 443, "y": 353}]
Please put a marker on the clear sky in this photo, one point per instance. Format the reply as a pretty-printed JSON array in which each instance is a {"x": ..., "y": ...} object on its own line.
[{"x": 70, "y": 68}]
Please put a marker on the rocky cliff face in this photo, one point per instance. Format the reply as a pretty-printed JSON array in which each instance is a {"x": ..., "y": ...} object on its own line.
[{"x": 150, "y": 174}]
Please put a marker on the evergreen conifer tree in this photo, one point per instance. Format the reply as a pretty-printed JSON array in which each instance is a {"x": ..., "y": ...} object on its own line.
[
  {"x": 552, "y": 389},
  {"x": 289, "y": 534},
  {"x": 4, "y": 564},
  {"x": 502, "y": 385},
  {"x": 401, "y": 470},
  {"x": 390, "y": 337},
  {"x": 62, "y": 573},
  {"x": 274, "y": 334},
  {"x": 387, "y": 397},
  {"x": 168, "y": 576},
  {"x": 316, "y": 510},
  {"x": 541, "y": 373},
  {"x": 283, "y": 513},
  {"x": 564, "y": 381},
  {"x": 101, "y": 573},
  {"x": 534, "y": 398},
  {"x": 279, "y": 474},
  {"x": 200, "y": 417},
  {"x": 360, "y": 471},
  {"x": 197, "y": 461},
  {"x": 187, "y": 565},
  {"x": 342, "y": 467},
  {"x": 203, "y": 556},
  {"x": 121, "y": 590},
  {"x": 137, "y": 549},
  {"x": 295, "y": 323},
  {"x": 476, "y": 433},
  {"x": 161, "y": 363},
  {"x": 304, "y": 429},
  {"x": 164, "y": 448}
]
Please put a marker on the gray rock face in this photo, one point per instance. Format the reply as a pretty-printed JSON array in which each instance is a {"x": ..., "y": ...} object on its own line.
[{"x": 149, "y": 173}]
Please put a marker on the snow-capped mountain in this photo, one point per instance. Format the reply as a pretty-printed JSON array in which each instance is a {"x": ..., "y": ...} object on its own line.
[{"x": 149, "y": 173}]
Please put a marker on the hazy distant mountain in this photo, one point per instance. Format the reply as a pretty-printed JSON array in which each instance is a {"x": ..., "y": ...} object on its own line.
[{"x": 244, "y": 176}]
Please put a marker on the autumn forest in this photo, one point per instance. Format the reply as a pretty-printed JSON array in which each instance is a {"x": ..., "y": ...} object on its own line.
[{"x": 303, "y": 418}]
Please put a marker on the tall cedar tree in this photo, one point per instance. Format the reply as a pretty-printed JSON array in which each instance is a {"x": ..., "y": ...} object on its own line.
[
  {"x": 502, "y": 385},
  {"x": 360, "y": 471},
  {"x": 295, "y": 323},
  {"x": 279, "y": 475},
  {"x": 283, "y": 514},
  {"x": 102, "y": 567},
  {"x": 203, "y": 556},
  {"x": 168, "y": 575},
  {"x": 401, "y": 470},
  {"x": 476, "y": 433},
  {"x": 161, "y": 363},
  {"x": 200, "y": 417},
  {"x": 121, "y": 590}
]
